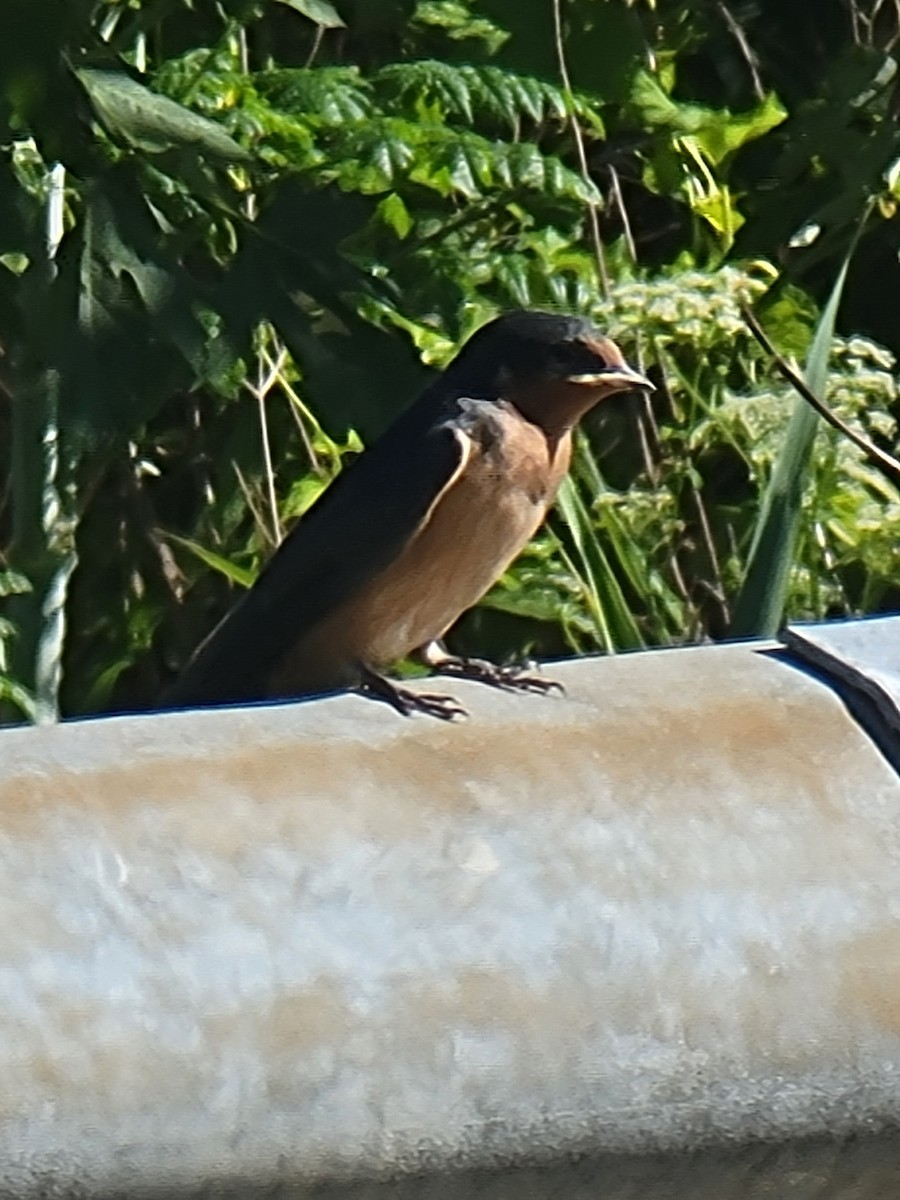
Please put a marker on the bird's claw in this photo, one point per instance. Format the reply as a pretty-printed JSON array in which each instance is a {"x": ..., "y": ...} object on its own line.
[
  {"x": 407, "y": 702},
  {"x": 509, "y": 679},
  {"x": 435, "y": 704}
]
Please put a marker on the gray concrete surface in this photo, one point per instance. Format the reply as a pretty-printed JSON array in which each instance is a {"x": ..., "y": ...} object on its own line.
[
  {"x": 639, "y": 941},
  {"x": 862, "y": 655}
]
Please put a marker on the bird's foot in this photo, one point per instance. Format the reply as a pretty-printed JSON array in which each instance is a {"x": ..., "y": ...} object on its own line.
[
  {"x": 408, "y": 702},
  {"x": 509, "y": 679}
]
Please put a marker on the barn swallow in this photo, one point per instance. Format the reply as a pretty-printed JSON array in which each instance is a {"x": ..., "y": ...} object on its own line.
[{"x": 418, "y": 528}]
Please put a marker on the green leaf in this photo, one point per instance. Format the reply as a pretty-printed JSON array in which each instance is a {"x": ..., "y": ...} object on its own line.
[
  {"x": 303, "y": 494},
  {"x": 529, "y": 96},
  {"x": 759, "y": 608},
  {"x": 13, "y": 584},
  {"x": 479, "y": 95},
  {"x": 462, "y": 175},
  {"x": 412, "y": 86},
  {"x": 725, "y": 132},
  {"x": 512, "y": 274},
  {"x": 717, "y": 131},
  {"x": 394, "y": 213},
  {"x": 433, "y": 346},
  {"x": 231, "y": 571},
  {"x": 131, "y": 330},
  {"x": 459, "y": 23},
  {"x": 335, "y": 95},
  {"x": 615, "y": 627},
  {"x": 13, "y": 693},
  {"x": 15, "y": 261},
  {"x": 528, "y": 166},
  {"x": 657, "y": 109},
  {"x": 320, "y": 11},
  {"x": 146, "y": 120},
  {"x": 497, "y": 99}
]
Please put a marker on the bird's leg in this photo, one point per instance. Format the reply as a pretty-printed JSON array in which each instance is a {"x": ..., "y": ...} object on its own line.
[
  {"x": 408, "y": 702},
  {"x": 509, "y": 679}
]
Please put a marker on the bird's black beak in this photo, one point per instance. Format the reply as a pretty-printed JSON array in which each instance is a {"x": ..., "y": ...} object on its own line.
[{"x": 614, "y": 379}]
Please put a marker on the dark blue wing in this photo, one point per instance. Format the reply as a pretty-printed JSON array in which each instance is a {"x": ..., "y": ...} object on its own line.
[{"x": 354, "y": 530}]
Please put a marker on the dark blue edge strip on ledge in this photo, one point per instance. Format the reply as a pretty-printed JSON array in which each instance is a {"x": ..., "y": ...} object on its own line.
[{"x": 850, "y": 671}]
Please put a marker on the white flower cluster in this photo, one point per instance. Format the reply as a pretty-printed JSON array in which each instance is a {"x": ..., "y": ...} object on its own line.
[{"x": 689, "y": 308}]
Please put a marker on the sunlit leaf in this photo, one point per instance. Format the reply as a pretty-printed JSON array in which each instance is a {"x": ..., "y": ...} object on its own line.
[
  {"x": 142, "y": 118},
  {"x": 320, "y": 11},
  {"x": 396, "y": 215},
  {"x": 718, "y": 131},
  {"x": 13, "y": 584},
  {"x": 759, "y": 609},
  {"x": 217, "y": 562}
]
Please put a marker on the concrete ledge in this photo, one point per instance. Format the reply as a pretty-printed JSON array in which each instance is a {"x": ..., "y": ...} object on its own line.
[{"x": 318, "y": 944}]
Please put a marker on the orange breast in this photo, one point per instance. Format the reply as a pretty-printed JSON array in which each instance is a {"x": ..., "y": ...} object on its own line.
[{"x": 477, "y": 527}]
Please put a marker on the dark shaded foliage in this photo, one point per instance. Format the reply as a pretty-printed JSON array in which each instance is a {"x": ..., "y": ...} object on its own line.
[{"x": 312, "y": 202}]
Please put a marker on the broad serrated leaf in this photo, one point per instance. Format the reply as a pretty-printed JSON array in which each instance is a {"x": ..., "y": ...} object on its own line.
[
  {"x": 512, "y": 274},
  {"x": 480, "y": 161},
  {"x": 335, "y": 95},
  {"x": 373, "y": 156},
  {"x": 510, "y": 97},
  {"x": 479, "y": 94},
  {"x": 497, "y": 99},
  {"x": 529, "y": 96},
  {"x": 426, "y": 82},
  {"x": 133, "y": 114},
  {"x": 501, "y": 169},
  {"x": 527, "y": 165},
  {"x": 461, "y": 174}
]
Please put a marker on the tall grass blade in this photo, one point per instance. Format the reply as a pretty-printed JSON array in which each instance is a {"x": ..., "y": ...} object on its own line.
[
  {"x": 615, "y": 627},
  {"x": 759, "y": 608}
]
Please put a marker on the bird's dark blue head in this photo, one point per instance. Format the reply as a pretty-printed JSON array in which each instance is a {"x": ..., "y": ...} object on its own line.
[
  {"x": 551, "y": 366},
  {"x": 528, "y": 346}
]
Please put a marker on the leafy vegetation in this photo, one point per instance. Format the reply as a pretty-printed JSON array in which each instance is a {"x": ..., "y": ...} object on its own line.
[{"x": 235, "y": 237}]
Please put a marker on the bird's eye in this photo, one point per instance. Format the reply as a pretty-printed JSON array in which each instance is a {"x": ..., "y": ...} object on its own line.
[
  {"x": 569, "y": 357},
  {"x": 561, "y": 356}
]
